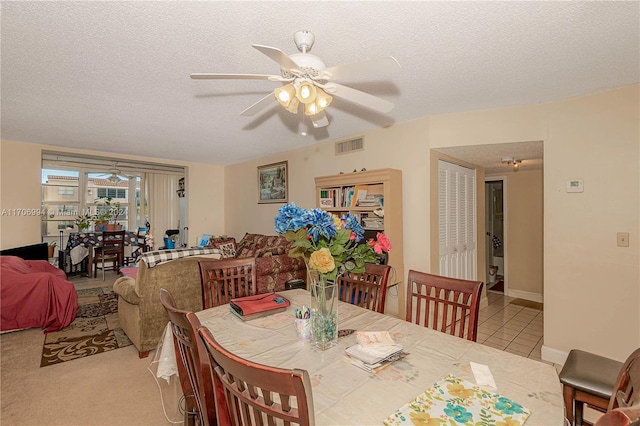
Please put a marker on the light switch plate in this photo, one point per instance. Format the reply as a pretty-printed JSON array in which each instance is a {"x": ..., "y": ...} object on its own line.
[
  {"x": 575, "y": 185},
  {"x": 623, "y": 239}
]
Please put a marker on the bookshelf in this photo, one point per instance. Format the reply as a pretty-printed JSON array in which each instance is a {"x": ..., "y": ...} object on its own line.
[{"x": 364, "y": 195}]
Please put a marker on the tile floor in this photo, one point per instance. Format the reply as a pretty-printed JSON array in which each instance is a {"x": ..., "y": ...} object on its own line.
[{"x": 511, "y": 328}]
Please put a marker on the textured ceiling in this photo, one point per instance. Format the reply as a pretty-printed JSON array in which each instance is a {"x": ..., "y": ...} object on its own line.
[{"x": 114, "y": 76}]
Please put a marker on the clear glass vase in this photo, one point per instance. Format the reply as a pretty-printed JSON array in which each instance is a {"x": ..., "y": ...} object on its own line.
[{"x": 324, "y": 311}]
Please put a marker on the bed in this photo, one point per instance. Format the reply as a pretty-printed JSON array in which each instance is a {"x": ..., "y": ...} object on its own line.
[{"x": 34, "y": 293}]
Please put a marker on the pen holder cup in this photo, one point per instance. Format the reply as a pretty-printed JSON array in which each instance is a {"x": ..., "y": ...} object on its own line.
[{"x": 303, "y": 328}]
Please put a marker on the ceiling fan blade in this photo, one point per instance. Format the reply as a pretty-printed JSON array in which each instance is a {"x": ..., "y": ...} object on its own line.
[
  {"x": 358, "y": 97},
  {"x": 319, "y": 120},
  {"x": 261, "y": 104},
  {"x": 216, "y": 76},
  {"x": 370, "y": 68},
  {"x": 277, "y": 55}
]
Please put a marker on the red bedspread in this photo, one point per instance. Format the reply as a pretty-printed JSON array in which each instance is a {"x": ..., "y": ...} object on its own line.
[{"x": 34, "y": 293}]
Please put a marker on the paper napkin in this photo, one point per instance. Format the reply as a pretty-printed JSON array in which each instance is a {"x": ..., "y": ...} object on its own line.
[{"x": 483, "y": 375}]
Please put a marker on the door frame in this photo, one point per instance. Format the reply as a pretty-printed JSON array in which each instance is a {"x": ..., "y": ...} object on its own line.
[{"x": 505, "y": 229}]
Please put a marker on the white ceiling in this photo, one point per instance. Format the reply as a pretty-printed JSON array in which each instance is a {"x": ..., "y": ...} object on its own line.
[{"x": 114, "y": 76}]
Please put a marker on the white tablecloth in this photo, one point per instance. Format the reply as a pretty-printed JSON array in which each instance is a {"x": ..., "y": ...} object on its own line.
[{"x": 346, "y": 395}]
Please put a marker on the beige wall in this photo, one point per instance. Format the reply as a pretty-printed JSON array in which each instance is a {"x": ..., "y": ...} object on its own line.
[
  {"x": 592, "y": 287},
  {"x": 593, "y": 137},
  {"x": 20, "y": 188}
]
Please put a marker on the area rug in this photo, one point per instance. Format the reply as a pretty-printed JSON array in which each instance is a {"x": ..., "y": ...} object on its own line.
[
  {"x": 95, "y": 330},
  {"x": 527, "y": 304}
]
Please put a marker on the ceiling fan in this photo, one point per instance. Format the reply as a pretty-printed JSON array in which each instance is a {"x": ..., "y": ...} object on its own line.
[
  {"x": 307, "y": 81},
  {"x": 114, "y": 175}
]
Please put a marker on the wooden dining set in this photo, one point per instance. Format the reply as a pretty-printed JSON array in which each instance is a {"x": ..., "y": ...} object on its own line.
[{"x": 258, "y": 372}]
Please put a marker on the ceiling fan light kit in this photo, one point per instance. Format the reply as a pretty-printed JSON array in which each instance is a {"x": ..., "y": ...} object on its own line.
[
  {"x": 512, "y": 162},
  {"x": 309, "y": 81}
]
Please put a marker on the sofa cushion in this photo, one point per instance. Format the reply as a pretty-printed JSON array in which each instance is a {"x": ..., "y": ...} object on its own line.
[
  {"x": 258, "y": 245},
  {"x": 227, "y": 246},
  {"x": 153, "y": 258}
]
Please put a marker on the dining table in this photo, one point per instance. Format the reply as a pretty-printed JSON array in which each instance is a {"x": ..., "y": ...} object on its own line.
[
  {"x": 91, "y": 240},
  {"x": 344, "y": 394}
]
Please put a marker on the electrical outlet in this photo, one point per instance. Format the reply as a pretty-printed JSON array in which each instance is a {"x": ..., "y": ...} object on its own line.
[{"x": 623, "y": 239}]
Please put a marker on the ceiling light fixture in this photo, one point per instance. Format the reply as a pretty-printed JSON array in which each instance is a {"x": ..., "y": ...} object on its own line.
[
  {"x": 114, "y": 178},
  {"x": 314, "y": 98},
  {"x": 512, "y": 162}
]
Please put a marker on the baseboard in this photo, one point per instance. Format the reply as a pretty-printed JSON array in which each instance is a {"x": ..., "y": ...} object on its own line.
[
  {"x": 526, "y": 295},
  {"x": 554, "y": 355},
  {"x": 484, "y": 302}
]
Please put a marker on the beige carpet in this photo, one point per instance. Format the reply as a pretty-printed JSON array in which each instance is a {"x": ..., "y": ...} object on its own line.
[{"x": 111, "y": 388}]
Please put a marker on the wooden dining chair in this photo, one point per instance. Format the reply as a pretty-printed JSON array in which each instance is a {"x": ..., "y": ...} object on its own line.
[
  {"x": 368, "y": 289},
  {"x": 258, "y": 394},
  {"x": 193, "y": 365},
  {"x": 226, "y": 279},
  {"x": 601, "y": 383},
  {"x": 626, "y": 392},
  {"x": 137, "y": 249},
  {"x": 111, "y": 250},
  {"x": 449, "y": 305}
]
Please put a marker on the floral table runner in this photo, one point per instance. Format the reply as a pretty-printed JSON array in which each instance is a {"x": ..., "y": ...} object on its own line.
[{"x": 454, "y": 401}]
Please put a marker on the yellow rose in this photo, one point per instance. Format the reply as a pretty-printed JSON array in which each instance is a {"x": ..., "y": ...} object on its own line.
[{"x": 322, "y": 261}]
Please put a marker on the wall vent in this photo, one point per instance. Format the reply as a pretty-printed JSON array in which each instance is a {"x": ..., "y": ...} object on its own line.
[{"x": 349, "y": 146}]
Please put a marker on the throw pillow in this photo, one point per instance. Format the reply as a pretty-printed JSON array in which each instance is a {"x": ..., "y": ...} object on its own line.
[
  {"x": 227, "y": 249},
  {"x": 227, "y": 246}
]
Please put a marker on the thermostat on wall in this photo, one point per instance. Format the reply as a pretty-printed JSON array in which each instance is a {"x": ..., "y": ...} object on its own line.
[{"x": 576, "y": 185}]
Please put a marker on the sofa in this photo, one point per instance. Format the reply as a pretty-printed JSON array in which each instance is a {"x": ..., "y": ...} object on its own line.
[
  {"x": 273, "y": 266},
  {"x": 34, "y": 293},
  {"x": 140, "y": 313}
]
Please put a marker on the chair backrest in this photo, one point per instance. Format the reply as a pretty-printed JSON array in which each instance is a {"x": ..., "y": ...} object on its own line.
[
  {"x": 192, "y": 359},
  {"x": 258, "y": 394},
  {"x": 141, "y": 241},
  {"x": 626, "y": 392},
  {"x": 113, "y": 241},
  {"x": 445, "y": 304},
  {"x": 368, "y": 289},
  {"x": 226, "y": 279}
]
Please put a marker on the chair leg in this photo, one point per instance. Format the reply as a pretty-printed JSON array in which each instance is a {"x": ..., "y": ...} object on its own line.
[
  {"x": 569, "y": 396},
  {"x": 578, "y": 417}
]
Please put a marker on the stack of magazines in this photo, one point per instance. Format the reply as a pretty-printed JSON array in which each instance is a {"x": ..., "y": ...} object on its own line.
[{"x": 374, "y": 351}]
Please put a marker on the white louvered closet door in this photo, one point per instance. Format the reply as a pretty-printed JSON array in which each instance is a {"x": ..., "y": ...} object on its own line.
[{"x": 457, "y": 221}]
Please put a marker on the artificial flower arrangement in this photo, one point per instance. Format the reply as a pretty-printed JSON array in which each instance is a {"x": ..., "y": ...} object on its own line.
[{"x": 329, "y": 244}]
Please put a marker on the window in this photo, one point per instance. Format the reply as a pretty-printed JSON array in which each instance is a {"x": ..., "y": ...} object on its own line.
[
  {"x": 60, "y": 200},
  {"x": 65, "y": 190},
  {"x": 72, "y": 186},
  {"x": 113, "y": 192}
]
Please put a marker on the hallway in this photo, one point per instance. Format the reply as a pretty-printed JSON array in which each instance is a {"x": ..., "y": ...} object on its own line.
[{"x": 507, "y": 325}]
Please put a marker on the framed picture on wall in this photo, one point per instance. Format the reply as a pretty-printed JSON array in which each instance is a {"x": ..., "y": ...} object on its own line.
[{"x": 273, "y": 183}]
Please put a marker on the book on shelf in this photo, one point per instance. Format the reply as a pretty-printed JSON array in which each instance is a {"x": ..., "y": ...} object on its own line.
[
  {"x": 360, "y": 193},
  {"x": 348, "y": 196},
  {"x": 371, "y": 200}
]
